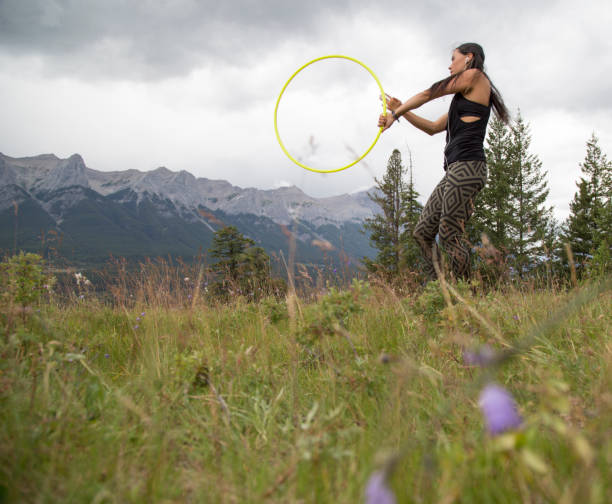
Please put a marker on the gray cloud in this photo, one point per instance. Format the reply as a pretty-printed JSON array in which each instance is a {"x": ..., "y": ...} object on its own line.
[
  {"x": 147, "y": 39},
  {"x": 532, "y": 46},
  {"x": 151, "y": 40}
]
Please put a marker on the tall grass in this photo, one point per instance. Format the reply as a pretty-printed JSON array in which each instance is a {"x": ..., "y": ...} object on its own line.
[{"x": 162, "y": 397}]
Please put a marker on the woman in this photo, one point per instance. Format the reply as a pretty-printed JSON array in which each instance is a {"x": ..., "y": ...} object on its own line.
[{"x": 450, "y": 205}]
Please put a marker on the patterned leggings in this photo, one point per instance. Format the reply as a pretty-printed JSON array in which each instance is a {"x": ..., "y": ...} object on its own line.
[{"x": 447, "y": 210}]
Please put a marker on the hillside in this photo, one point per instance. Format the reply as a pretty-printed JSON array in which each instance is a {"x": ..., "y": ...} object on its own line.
[{"x": 48, "y": 204}]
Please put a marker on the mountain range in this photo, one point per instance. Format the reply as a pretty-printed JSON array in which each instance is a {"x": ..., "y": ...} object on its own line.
[{"x": 52, "y": 205}]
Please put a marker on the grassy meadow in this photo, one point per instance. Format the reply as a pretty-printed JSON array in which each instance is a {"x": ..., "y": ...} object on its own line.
[{"x": 174, "y": 399}]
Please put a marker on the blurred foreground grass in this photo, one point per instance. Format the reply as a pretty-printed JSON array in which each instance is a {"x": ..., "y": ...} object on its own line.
[{"x": 286, "y": 401}]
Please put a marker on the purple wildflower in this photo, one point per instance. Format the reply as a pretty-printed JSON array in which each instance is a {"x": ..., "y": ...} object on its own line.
[
  {"x": 82, "y": 296},
  {"x": 136, "y": 326},
  {"x": 482, "y": 356},
  {"x": 335, "y": 270},
  {"x": 137, "y": 319},
  {"x": 516, "y": 317},
  {"x": 142, "y": 314},
  {"x": 377, "y": 491},
  {"x": 106, "y": 356},
  {"x": 499, "y": 409}
]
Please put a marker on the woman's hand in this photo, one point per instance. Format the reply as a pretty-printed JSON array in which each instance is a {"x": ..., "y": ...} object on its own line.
[
  {"x": 385, "y": 121},
  {"x": 392, "y": 102}
]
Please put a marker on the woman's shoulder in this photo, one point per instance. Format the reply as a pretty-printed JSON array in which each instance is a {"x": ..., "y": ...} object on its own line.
[{"x": 479, "y": 90}]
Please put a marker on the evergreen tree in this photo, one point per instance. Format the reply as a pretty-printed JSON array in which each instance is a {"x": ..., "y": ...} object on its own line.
[
  {"x": 579, "y": 227},
  {"x": 255, "y": 265},
  {"x": 492, "y": 207},
  {"x": 391, "y": 229},
  {"x": 240, "y": 264},
  {"x": 528, "y": 218},
  {"x": 605, "y": 219},
  {"x": 589, "y": 226},
  {"x": 412, "y": 255},
  {"x": 603, "y": 255},
  {"x": 553, "y": 249},
  {"x": 228, "y": 248}
]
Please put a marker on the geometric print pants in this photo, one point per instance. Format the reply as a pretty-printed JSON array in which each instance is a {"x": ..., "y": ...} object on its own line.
[{"x": 445, "y": 214}]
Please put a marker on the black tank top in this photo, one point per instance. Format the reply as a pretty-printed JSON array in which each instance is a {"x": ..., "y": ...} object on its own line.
[{"x": 464, "y": 140}]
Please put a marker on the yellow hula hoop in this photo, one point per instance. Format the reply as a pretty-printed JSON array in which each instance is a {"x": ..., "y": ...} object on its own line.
[{"x": 384, "y": 104}]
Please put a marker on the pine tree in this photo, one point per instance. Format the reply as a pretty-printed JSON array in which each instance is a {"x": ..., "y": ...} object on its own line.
[
  {"x": 603, "y": 255},
  {"x": 256, "y": 265},
  {"x": 579, "y": 227},
  {"x": 605, "y": 219},
  {"x": 391, "y": 229},
  {"x": 412, "y": 255},
  {"x": 553, "y": 250},
  {"x": 528, "y": 217},
  {"x": 228, "y": 248},
  {"x": 589, "y": 226},
  {"x": 492, "y": 207},
  {"x": 240, "y": 265}
]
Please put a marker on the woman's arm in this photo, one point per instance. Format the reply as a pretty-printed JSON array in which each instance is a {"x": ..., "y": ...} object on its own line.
[
  {"x": 462, "y": 84},
  {"x": 429, "y": 127}
]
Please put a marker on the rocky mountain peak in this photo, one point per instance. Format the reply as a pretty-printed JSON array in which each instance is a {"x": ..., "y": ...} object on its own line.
[
  {"x": 7, "y": 176},
  {"x": 47, "y": 173},
  {"x": 68, "y": 172}
]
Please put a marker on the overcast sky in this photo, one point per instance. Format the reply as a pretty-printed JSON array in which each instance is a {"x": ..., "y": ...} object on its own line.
[{"x": 192, "y": 85}]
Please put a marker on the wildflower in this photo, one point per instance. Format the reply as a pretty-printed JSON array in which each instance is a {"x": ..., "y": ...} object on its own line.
[
  {"x": 377, "y": 491},
  {"x": 137, "y": 319},
  {"x": 516, "y": 317},
  {"x": 142, "y": 314},
  {"x": 482, "y": 356},
  {"x": 499, "y": 409},
  {"x": 80, "y": 278},
  {"x": 186, "y": 279},
  {"x": 82, "y": 296},
  {"x": 335, "y": 270},
  {"x": 189, "y": 296},
  {"x": 106, "y": 356},
  {"x": 385, "y": 358},
  {"x": 136, "y": 326}
]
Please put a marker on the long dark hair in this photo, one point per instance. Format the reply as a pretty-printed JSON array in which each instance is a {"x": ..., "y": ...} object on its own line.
[{"x": 476, "y": 62}]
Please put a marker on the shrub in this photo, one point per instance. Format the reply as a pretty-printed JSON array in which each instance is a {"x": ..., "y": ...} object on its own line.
[{"x": 24, "y": 281}]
